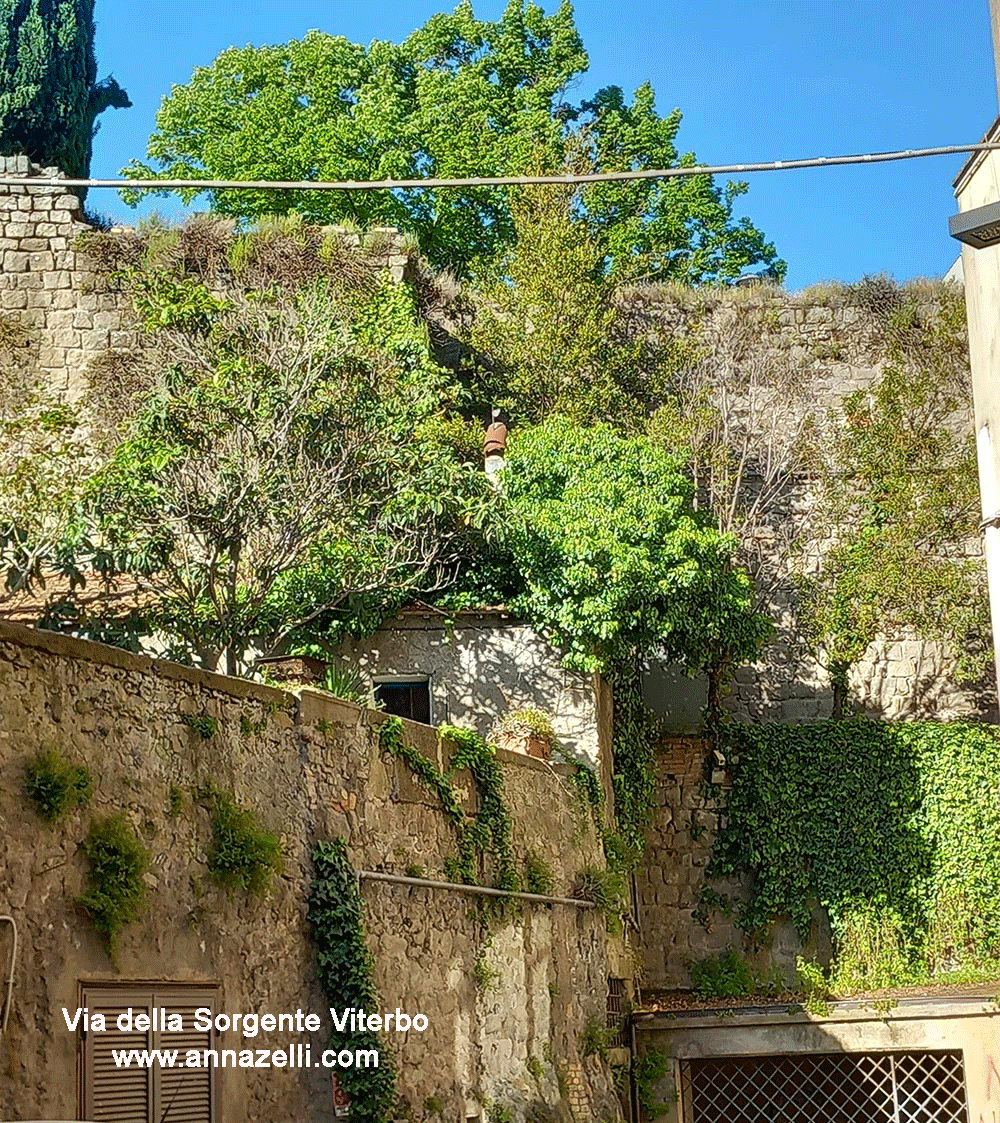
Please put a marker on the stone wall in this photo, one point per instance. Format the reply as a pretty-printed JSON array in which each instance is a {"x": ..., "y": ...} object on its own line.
[
  {"x": 310, "y": 768},
  {"x": 58, "y": 293},
  {"x": 49, "y": 288},
  {"x": 675, "y": 925},
  {"x": 820, "y": 345}
]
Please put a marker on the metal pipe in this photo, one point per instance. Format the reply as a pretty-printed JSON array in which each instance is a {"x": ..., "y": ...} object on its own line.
[
  {"x": 478, "y": 890},
  {"x": 10, "y": 973}
]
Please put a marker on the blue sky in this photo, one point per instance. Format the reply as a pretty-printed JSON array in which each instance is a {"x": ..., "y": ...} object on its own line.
[{"x": 756, "y": 80}]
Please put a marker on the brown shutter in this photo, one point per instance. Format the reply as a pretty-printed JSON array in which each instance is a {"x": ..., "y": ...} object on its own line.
[
  {"x": 158, "y": 1094},
  {"x": 186, "y": 1095},
  {"x": 111, "y": 1093}
]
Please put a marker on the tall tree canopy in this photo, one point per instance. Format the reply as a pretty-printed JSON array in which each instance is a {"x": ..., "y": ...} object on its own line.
[
  {"x": 50, "y": 98},
  {"x": 459, "y": 97}
]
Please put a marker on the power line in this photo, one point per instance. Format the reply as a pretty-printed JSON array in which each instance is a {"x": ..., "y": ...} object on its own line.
[{"x": 493, "y": 181}]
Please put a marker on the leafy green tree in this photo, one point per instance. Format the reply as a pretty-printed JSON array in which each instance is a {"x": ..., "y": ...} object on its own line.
[
  {"x": 281, "y": 461},
  {"x": 459, "y": 97},
  {"x": 606, "y": 556},
  {"x": 545, "y": 333},
  {"x": 50, "y": 98},
  {"x": 901, "y": 487},
  {"x": 613, "y": 557}
]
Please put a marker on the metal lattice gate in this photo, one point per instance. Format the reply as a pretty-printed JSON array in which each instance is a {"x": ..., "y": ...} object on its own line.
[{"x": 826, "y": 1088}]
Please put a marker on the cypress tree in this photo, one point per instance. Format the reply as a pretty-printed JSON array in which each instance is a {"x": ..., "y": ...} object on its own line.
[{"x": 49, "y": 95}]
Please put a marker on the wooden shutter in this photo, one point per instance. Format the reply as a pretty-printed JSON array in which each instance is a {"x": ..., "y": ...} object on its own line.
[
  {"x": 110, "y": 1093},
  {"x": 186, "y": 1095},
  {"x": 113, "y": 1094}
]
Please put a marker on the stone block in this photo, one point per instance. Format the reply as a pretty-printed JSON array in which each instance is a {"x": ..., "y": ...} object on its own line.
[{"x": 13, "y": 298}]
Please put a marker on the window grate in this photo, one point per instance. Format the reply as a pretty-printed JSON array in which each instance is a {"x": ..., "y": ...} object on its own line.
[
  {"x": 833, "y": 1087},
  {"x": 616, "y": 1014}
]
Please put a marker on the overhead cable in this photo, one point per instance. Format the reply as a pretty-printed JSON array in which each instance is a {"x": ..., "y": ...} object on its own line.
[{"x": 492, "y": 181}]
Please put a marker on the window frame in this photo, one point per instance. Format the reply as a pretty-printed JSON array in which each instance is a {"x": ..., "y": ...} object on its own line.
[{"x": 417, "y": 678}]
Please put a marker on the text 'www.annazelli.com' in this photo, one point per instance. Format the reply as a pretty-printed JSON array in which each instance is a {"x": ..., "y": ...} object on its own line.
[{"x": 295, "y": 1056}]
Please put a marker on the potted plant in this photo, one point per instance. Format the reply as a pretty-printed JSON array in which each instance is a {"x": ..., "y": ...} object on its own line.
[{"x": 526, "y": 731}]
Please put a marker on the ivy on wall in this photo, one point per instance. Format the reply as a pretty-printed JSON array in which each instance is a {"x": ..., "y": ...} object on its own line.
[
  {"x": 490, "y": 831},
  {"x": 346, "y": 974},
  {"x": 893, "y": 828}
]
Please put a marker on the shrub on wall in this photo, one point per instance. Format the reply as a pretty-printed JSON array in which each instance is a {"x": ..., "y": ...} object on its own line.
[
  {"x": 893, "y": 828},
  {"x": 54, "y": 785},
  {"x": 115, "y": 886},
  {"x": 243, "y": 855}
]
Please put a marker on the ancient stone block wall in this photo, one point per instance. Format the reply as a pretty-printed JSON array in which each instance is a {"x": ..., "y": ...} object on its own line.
[
  {"x": 58, "y": 294},
  {"x": 822, "y": 344},
  {"x": 677, "y": 924},
  {"x": 48, "y": 287},
  {"x": 310, "y": 768}
]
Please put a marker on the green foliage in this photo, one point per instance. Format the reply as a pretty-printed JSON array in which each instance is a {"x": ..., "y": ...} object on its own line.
[
  {"x": 271, "y": 475},
  {"x": 613, "y": 557},
  {"x": 901, "y": 485},
  {"x": 487, "y": 977},
  {"x": 596, "y": 1038},
  {"x": 814, "y": 985},
  {"x": 544, "y": 334},
  {"x": 538, "y": 876},
  {"x": 651, "y": 1067},
  {"x": 499, "y": 1113},
  {"x": 490, "y": 831},
  {"x": 204, "y": 725},
  {"x": 50, "y": 98},
  {"x": 54, "y": 785},
  {"x": 175, "y": 801},
  {"x": 243, "y": 855},
  {"x": 459, "y": 97},
  {"x": 893, "y": 828},
  {"x": 347, "y": 682},
  {"x": 345, "y": 970},
  {"x": 535, "y": 1069},
  {"x": 725, "y": 976},
  {"x": 115, "y": 890},
  {"x": 606, "y": 888}
]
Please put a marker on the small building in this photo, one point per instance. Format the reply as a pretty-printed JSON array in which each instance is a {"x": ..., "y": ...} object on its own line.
[{"x": 473, "y": 669}]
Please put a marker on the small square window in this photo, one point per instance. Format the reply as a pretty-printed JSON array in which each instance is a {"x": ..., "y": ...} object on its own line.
[{"x": 409, "y": 698}]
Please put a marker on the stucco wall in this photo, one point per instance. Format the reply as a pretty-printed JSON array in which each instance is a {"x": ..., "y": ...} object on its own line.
[
  {"x": 977, "y": 186},
  {"x": 310, "y": 768}
]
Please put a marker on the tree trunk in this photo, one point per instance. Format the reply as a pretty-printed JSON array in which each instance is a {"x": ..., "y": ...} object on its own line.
[{"x": 838, "y": 680}]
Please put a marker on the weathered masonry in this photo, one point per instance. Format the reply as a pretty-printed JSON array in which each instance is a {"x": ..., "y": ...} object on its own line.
[{"x": 507, "y": 1003}]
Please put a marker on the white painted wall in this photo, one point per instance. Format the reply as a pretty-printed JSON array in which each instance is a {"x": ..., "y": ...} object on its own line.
[{"x": 977, "y": 185}]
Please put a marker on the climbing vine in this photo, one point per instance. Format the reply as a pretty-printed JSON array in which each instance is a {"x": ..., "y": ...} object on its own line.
[
  {"x": 490, "y": 831},
  {"x": 894, "y": 829},
  {"x": 346, "y": 974}
]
